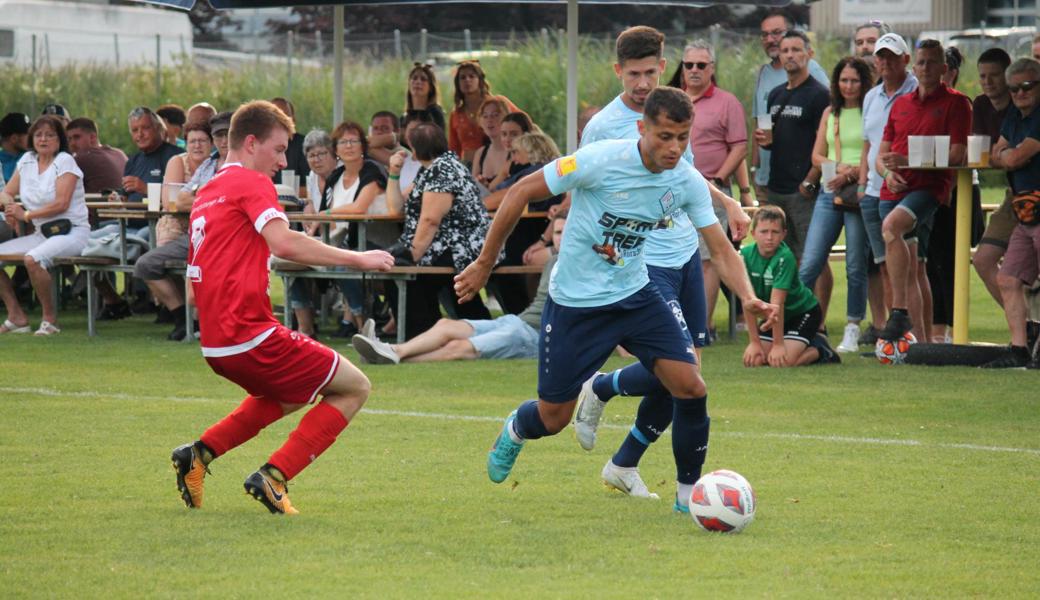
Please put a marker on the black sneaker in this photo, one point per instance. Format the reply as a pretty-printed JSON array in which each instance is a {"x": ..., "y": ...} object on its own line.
[
  {"x": 114, "y": 312},
  {"x": 1017, "y": 357},
  {"x": 827, "y": 353},
  {"x": 869, "y": 336},
  {"x": 164, "y": 316},
  {"x": 178, "y": 334},
  {"x": 346, "y": 330},
  {"x": 898, "y": 324}
]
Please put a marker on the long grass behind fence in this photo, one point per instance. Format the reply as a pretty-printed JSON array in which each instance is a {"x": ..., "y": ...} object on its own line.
[{"x": 531, "y": 72}]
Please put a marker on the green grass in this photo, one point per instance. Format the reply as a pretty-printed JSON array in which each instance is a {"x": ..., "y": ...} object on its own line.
[{"x": 872, "y": 482}]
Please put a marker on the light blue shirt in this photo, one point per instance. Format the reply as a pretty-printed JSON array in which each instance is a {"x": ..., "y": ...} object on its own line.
[
  {"x": 768, "y": 79},
  {"x": 670, "y": 248},
  {"x": 616, "y": 203},
  {"x": 876, "y": 106}
]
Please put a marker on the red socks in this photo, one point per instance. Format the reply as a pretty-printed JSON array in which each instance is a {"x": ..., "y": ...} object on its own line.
[
  {"x": 241, "y": 425},
  {"x": 317, "y": 431}
]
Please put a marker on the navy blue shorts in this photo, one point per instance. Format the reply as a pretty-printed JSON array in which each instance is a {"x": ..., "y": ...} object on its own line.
[
  {"x": 683, "y": 291},
  {"x": 574, "y": 342}
]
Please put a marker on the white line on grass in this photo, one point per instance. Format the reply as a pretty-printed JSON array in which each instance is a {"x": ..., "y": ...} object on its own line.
[{"x": 453, "y": 417}]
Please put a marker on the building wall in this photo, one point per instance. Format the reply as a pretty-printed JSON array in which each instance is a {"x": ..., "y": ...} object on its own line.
[{"x": 945, "y": 14}]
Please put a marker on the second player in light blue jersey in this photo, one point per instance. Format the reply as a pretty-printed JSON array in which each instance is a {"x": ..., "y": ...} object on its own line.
[{"x": 621, "y": 193}]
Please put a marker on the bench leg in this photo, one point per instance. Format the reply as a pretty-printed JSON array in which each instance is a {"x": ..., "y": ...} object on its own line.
[
  {"x": 189, "y": 323},
  {"x": 91, "y": 304},
  {"x": 402, "y": 308},
  {"x": 286, "y": 311}
]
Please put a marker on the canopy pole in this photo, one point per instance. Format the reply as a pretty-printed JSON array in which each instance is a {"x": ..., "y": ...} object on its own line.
[
  {"x": 572, "y": 76},
  {"x": 337, "y": 79}
]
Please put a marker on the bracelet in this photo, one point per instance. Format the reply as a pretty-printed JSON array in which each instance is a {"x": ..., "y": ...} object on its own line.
[
  {"x": 394, "y": 177},
  {"x": 745, "y": 190},
  {"x": 861, "y": 188},
  {"x": 885, "y": 174},
  {"x": 545, "y": 241}
]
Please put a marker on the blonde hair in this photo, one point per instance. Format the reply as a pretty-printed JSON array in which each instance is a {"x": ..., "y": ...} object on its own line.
[
  {"x": 257, "y": 118},
  {"x": 539, "y": 147}
]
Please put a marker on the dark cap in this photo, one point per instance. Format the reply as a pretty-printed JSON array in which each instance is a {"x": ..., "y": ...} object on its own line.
[
  {"x": 56, "y": 110},
  {"x": 14, "y": 124},
  {"x": 221, "y": 122}
]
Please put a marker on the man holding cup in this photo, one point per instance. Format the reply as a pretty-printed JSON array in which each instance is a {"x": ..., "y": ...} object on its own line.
[{"x": 910, "y": 197}]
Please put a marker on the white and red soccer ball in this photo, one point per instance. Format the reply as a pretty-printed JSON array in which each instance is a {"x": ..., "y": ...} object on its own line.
[
  {"x": 893, "y": 352},
  {"x": 722, "y": 501}
]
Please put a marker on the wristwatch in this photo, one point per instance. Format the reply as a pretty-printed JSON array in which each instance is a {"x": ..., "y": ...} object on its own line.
[
  {"x": 745, "y": 190},
  {"x": 810, "y": 186},
  {"x": 194, "y": 187}
]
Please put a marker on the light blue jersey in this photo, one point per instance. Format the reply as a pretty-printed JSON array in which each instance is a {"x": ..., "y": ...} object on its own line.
[
  {"x": 768, "y": 79},
  {"x": 616, "y": 204},
  {"x": 670, "y": 248}
]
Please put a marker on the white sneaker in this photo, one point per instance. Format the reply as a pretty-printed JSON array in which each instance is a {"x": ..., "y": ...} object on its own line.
[
  {"x": 369, "y": 329},
  {"x": 627, "y": 480},
  {"x": 850, "y": 341},
  {"x": 588, "y": 414},
  {"x": 375, "y": 351}
]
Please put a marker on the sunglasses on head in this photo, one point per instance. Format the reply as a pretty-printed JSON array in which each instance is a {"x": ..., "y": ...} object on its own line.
[
  {"x": 700, "y": 65},
  {"x": 1025, "y": 86}
]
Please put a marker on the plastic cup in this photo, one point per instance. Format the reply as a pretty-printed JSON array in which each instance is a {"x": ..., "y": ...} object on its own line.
[
  {"x": 289, "y": 177},
  {"x": 978, "y": 146},
  {"x": 154, "y": 196},
  {"x": 765, "y": 122},
  {"x": 830, "y": 171},
  {"x": 170, "y": 193},
  {"x": 942, "y": 150}
]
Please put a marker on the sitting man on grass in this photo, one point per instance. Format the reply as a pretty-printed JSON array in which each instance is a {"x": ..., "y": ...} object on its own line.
[
  {"x": 774, "y": 275},
  {"x": 508, "y": 336}
]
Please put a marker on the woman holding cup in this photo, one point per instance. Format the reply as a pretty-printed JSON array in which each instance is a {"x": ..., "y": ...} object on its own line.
[{"x": 838, "y": 153}]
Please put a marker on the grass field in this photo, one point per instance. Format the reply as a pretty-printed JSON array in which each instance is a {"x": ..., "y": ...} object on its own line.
[{"x": 872, "y": 482}]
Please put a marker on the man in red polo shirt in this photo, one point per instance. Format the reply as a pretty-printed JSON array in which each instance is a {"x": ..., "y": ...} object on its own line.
[{"x": 909, "y": 197}]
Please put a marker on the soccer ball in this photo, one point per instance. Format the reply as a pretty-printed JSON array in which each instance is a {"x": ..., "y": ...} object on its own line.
[
  {"x": 894, "y": 352},
  {"x": 722, "y": 501}
]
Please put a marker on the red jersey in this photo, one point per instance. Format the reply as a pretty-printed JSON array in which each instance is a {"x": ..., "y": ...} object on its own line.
[
  {"x": 943, "y": 112},
  {"x": 227, "y": 260}
]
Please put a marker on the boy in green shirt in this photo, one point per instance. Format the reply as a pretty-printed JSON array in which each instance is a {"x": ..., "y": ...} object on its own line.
[{"x": 774, "y": 275}]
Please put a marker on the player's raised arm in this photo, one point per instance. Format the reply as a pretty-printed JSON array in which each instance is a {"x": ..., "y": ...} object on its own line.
[
  {"x": 295, "y": 246},
  {"x": 734, "y": 274},
  {"x": 531, "y": 188}
]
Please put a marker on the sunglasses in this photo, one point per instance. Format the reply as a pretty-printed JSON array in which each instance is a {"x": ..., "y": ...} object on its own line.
[
  {"x": 700, "y": 65},
  {"x": 1026, "y": 86},
  {"x": 774, "y": 33}
]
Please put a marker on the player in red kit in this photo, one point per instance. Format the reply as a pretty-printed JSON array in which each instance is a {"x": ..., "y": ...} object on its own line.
[{"x": 236, "y": 224}]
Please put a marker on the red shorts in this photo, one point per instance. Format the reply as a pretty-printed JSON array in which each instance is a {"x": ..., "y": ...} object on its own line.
[
  {"x": 1022, "y": 259},
  {"x": 287, "y": 367}
]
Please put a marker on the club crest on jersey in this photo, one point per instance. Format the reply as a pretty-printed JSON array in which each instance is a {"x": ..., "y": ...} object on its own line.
[
  {"x": 566, "y": 165},
  {"x": 668, "y": 202}
]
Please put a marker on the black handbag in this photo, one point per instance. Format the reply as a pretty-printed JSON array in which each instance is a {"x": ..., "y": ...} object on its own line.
[
  {"x": 56, "y": 227},
  {"x": 402, "y": 253}
]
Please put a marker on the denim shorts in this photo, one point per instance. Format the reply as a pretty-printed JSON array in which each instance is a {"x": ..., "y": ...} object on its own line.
[{"x": 507, "y": 336}]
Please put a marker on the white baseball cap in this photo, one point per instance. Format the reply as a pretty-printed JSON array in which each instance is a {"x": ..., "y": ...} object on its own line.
[{"x": 892, "y": 42}]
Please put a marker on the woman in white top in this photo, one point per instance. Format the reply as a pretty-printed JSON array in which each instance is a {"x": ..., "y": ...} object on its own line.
[{"x": 51, "y": 189}]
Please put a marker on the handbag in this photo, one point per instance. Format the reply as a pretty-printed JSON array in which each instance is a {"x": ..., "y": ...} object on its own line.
[
  {"x": 846, "y": 197},
  {"x": 1026, "y": 207},
  {"x": 56, "y": 227},
  {"x": 402, "y": 253}
]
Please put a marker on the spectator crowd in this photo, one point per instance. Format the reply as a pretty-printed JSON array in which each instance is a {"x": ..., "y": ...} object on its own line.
[{"x": 826, "y": 153}]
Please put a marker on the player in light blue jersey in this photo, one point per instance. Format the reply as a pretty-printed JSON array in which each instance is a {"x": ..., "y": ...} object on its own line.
[
  {"x": 674, "y": 264},
  {"x": 600, "y": 295}
]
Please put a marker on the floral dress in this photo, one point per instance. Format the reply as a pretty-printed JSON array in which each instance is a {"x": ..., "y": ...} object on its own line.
[{"x": 464, "y": 227}]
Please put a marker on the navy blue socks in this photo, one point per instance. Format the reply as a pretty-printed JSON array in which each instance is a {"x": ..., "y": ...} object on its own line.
[
  {"x": 633, "y": 380},
  {"x": 690, "y": 425},
  {"x": 652, "y": 418},
  {"x": 528, "y": 424}
]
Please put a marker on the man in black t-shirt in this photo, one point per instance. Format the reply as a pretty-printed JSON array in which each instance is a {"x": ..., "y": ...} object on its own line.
[{"x": 796, "y": 108}]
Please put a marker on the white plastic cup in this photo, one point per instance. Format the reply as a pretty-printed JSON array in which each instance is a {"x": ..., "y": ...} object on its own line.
[
  {"x": 977, "y": 144},
  {"x": 289, "y": 177},
  {"x": 154, "y": 196},
  {"x": 942, "y": 150},
  {"x": 830, "y": 171},
  {"x": 765, "y": 122}
]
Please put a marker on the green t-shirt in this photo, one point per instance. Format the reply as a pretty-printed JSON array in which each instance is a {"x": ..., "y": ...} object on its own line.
[{"x": 780, "y": 271}]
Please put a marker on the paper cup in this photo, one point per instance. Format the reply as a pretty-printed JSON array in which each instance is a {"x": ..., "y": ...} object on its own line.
[
  {"x": 942, "y": 150},
  {"x": 977, "y": 146},
  {"x": 154, "y": 196},
  {"x": 830, "y": 170},
  {"x": 765, "y": 122}
]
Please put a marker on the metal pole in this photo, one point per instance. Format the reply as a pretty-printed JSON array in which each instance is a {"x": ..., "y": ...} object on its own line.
[
  {"x": 397, "y": 44},
  {"x": 47, "y": 50},
  {"x": 288, "y": 65},
  {"x": 422, "y": 45},
  {"x": 34, "y": 75},
  {"x": 158, "y": 68},
  {"x": 545, "y": 37},
  {"x": 337, "y": 82},
  {"x": 468, "y": 40},
  {"x": 572, "y": 76},
  {"x": 115, "y": 42},
  {"x": 714, "y": 32}
]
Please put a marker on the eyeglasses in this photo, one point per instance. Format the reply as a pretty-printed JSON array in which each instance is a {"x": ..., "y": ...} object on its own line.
[
  {"x": 198, "y": 142},
  {"x": 774, "y": 33},
  {"x": 348, "y": 143},
  {"x": 700, "y": 65},
  {"x": 1025, "y": 86},
  {"x": 45, "y": 135},
  {"x": 317, "y": 155}
]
